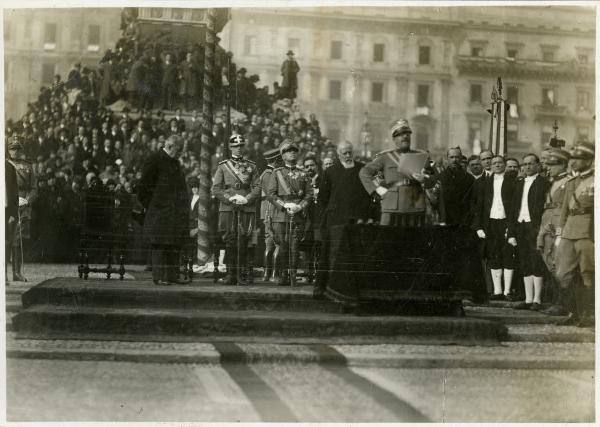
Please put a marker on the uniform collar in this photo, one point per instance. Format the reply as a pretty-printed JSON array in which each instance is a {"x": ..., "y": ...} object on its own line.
[
  {"x": 290, "y": 166},
  {"x": 237, "y": 159}
]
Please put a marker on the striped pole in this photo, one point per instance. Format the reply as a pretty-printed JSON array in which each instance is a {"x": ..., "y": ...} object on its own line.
[{"x": 206, "y": 143}]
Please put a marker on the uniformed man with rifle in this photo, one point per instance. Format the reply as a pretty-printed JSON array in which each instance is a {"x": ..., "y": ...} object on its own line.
[
  {"x": 27, "y": 191},
  {"x": 235, "y": 185},
  {"x": 266, "y": 210},
  {"x": 290, "y": 191}
]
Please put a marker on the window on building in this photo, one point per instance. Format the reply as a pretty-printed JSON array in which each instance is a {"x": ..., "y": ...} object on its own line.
[
  {"x": 48, "y": 71},
  {"x": 177, "y": 13},
  {"x": 336, "y": 49},
  {"x": 423, "y": 96},
  {"x": 583, "y": 133},
  {"x": 547, "y": 133},
  {"x": 250, "y": 45},
  {"x": 94, "y": 37},
  {"x": 512, "y": 133},
  {"x": 376, "y": 92},
  {"x": 198, "y": 14},
  {"x": 378, "y": 52},
  {"x": 424, "y": 53},
  {"x": 6, "y": 31},
  {"x": 512, "y": 98},
  {"x": 335, "y": 90},
  {"x": 475, "y": 135},
  {"x": 582, "y": 58},
  {"x": 50, "y": 36},
  {"x": 548, "y": 55},
  {"x": 548, "y": 97},
  {"x": 294, "y": 45},
  {"x": 156, "y": 12},
  {"x": 512, "y": 53},
  {"x": 476, "y": 93},
  {"x": 583, "y": 99},
  {"x": 477, "y": 51},
  {"x": 512, "y": 95}
]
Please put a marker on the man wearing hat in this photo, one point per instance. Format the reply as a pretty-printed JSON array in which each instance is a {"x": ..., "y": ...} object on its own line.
[
  {"x": 27, "y": 191},
  {"x": 575, "y": 238},
  {"x": 289, "y": 72},
  {"x": 273, "y": 157},
  {"x": 235, "y": 185},
  {"x": 290, "y": 191},
  {"x": 556, "y": 168},
  {"x": 403, "y": 197}
]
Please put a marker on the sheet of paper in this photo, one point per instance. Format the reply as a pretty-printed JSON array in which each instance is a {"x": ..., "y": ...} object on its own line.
[{"x": 411, "y": 163}]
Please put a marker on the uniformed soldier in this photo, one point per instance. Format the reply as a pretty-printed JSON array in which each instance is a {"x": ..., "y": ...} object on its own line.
[
  {"x": 556, "y": 168},
  {"x": 403, "y": 197},
  {"x": 27, "y": 189},
  {"x": 273, "y": 157},
  {"x": 290, "y": 191},
  {"x": 235, "y": 185},
  {"x": 575, "y": 239}
]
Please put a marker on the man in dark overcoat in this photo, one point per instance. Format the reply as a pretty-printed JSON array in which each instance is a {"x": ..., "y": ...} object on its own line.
[
  {"x": 343, "y": 199},
  {"x": 11, "y": 209},
  {"x": 163, "y": 193}
]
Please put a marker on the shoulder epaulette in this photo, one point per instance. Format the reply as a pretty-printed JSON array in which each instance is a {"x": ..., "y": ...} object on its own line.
[
  {"x": 384, "y": 152},
  {"x": 571, "y": 178},
  {"x": 279, "y": 168},
  {"x": 223, "y": 161}
]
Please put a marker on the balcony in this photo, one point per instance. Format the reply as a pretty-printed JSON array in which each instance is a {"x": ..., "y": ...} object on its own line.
[
  {"x": 521, "y": 68},
  {"x": 549, "y": 110}
]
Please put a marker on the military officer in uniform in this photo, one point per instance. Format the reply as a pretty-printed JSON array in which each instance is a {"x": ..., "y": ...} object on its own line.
[
  {"x": 575, "y": 238},
  {"x": 235, "y": 185},
  {"x": 403, "y": 197},
  {"x": 290, "y": 191},
  {"x": 556, "y": 169},
  {"x": 27, "y": 191},
  {"x": 273, "y": 157}
]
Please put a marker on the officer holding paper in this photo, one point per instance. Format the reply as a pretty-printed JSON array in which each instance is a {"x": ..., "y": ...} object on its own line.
[
  {"x": 235, "y": 185},
  {"x": 396, "y": 180}
]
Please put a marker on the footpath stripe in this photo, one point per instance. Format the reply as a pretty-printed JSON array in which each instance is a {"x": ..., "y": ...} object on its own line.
[
  {"x": 264, "y": 399},
  {"x": 336, "y": 363}
]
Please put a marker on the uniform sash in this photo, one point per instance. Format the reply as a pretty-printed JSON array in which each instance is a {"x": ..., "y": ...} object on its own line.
[{"x": 231, "y": 169}]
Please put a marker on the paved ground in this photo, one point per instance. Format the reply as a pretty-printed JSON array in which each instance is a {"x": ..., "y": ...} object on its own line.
[
  {"x": 55, "y": 390},
  {"x": 544, "y": 373}
]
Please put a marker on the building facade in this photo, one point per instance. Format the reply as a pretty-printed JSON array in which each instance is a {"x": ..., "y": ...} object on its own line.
[
  {"x": 362, "y": 68},
  {"x": 39, "y": 43}
]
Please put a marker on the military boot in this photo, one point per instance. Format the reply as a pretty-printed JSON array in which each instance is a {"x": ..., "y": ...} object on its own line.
[
  {"x": 16, "y": 267},
  {"x": 284, "y": 279},
  {"x": 267, "y": 261},
  {"x": 586, "y": 305},
  {"x": 276, "y": 269},
  {"x": 230, "y": 275}
]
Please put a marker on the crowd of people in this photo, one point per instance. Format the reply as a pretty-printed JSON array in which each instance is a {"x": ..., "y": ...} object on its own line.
[{"x": 69, "y": 140}]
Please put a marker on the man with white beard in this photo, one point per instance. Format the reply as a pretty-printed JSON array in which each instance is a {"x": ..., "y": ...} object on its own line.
[{"x": 343, "y": 199}]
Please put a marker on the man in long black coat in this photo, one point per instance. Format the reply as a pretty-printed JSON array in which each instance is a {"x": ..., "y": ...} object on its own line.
[
  {"x": 343, "y": 199},
  {"x": 11, "y": 209},
  {"x": 163, "y": 194}
]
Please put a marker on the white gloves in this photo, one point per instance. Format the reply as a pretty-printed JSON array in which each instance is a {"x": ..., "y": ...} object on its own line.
[
  {"x": 238, "y": 200},
  {"x": 381, "y": 191},
  {"x": 23, "y": 201},
  {"x": 292, "y": 208},
  {"x": 512, "y": 241},
  {"x": 557, "y": 241},
  {"x": 481, "y": 234}
]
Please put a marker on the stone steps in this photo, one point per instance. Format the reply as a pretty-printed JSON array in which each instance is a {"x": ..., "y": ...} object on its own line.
[
  {"x": 40, "y": 320},
  {"x": 199, "y": 295}
]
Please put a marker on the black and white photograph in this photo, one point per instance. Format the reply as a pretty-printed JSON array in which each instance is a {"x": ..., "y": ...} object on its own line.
[{"x": 320, "y": 212}]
